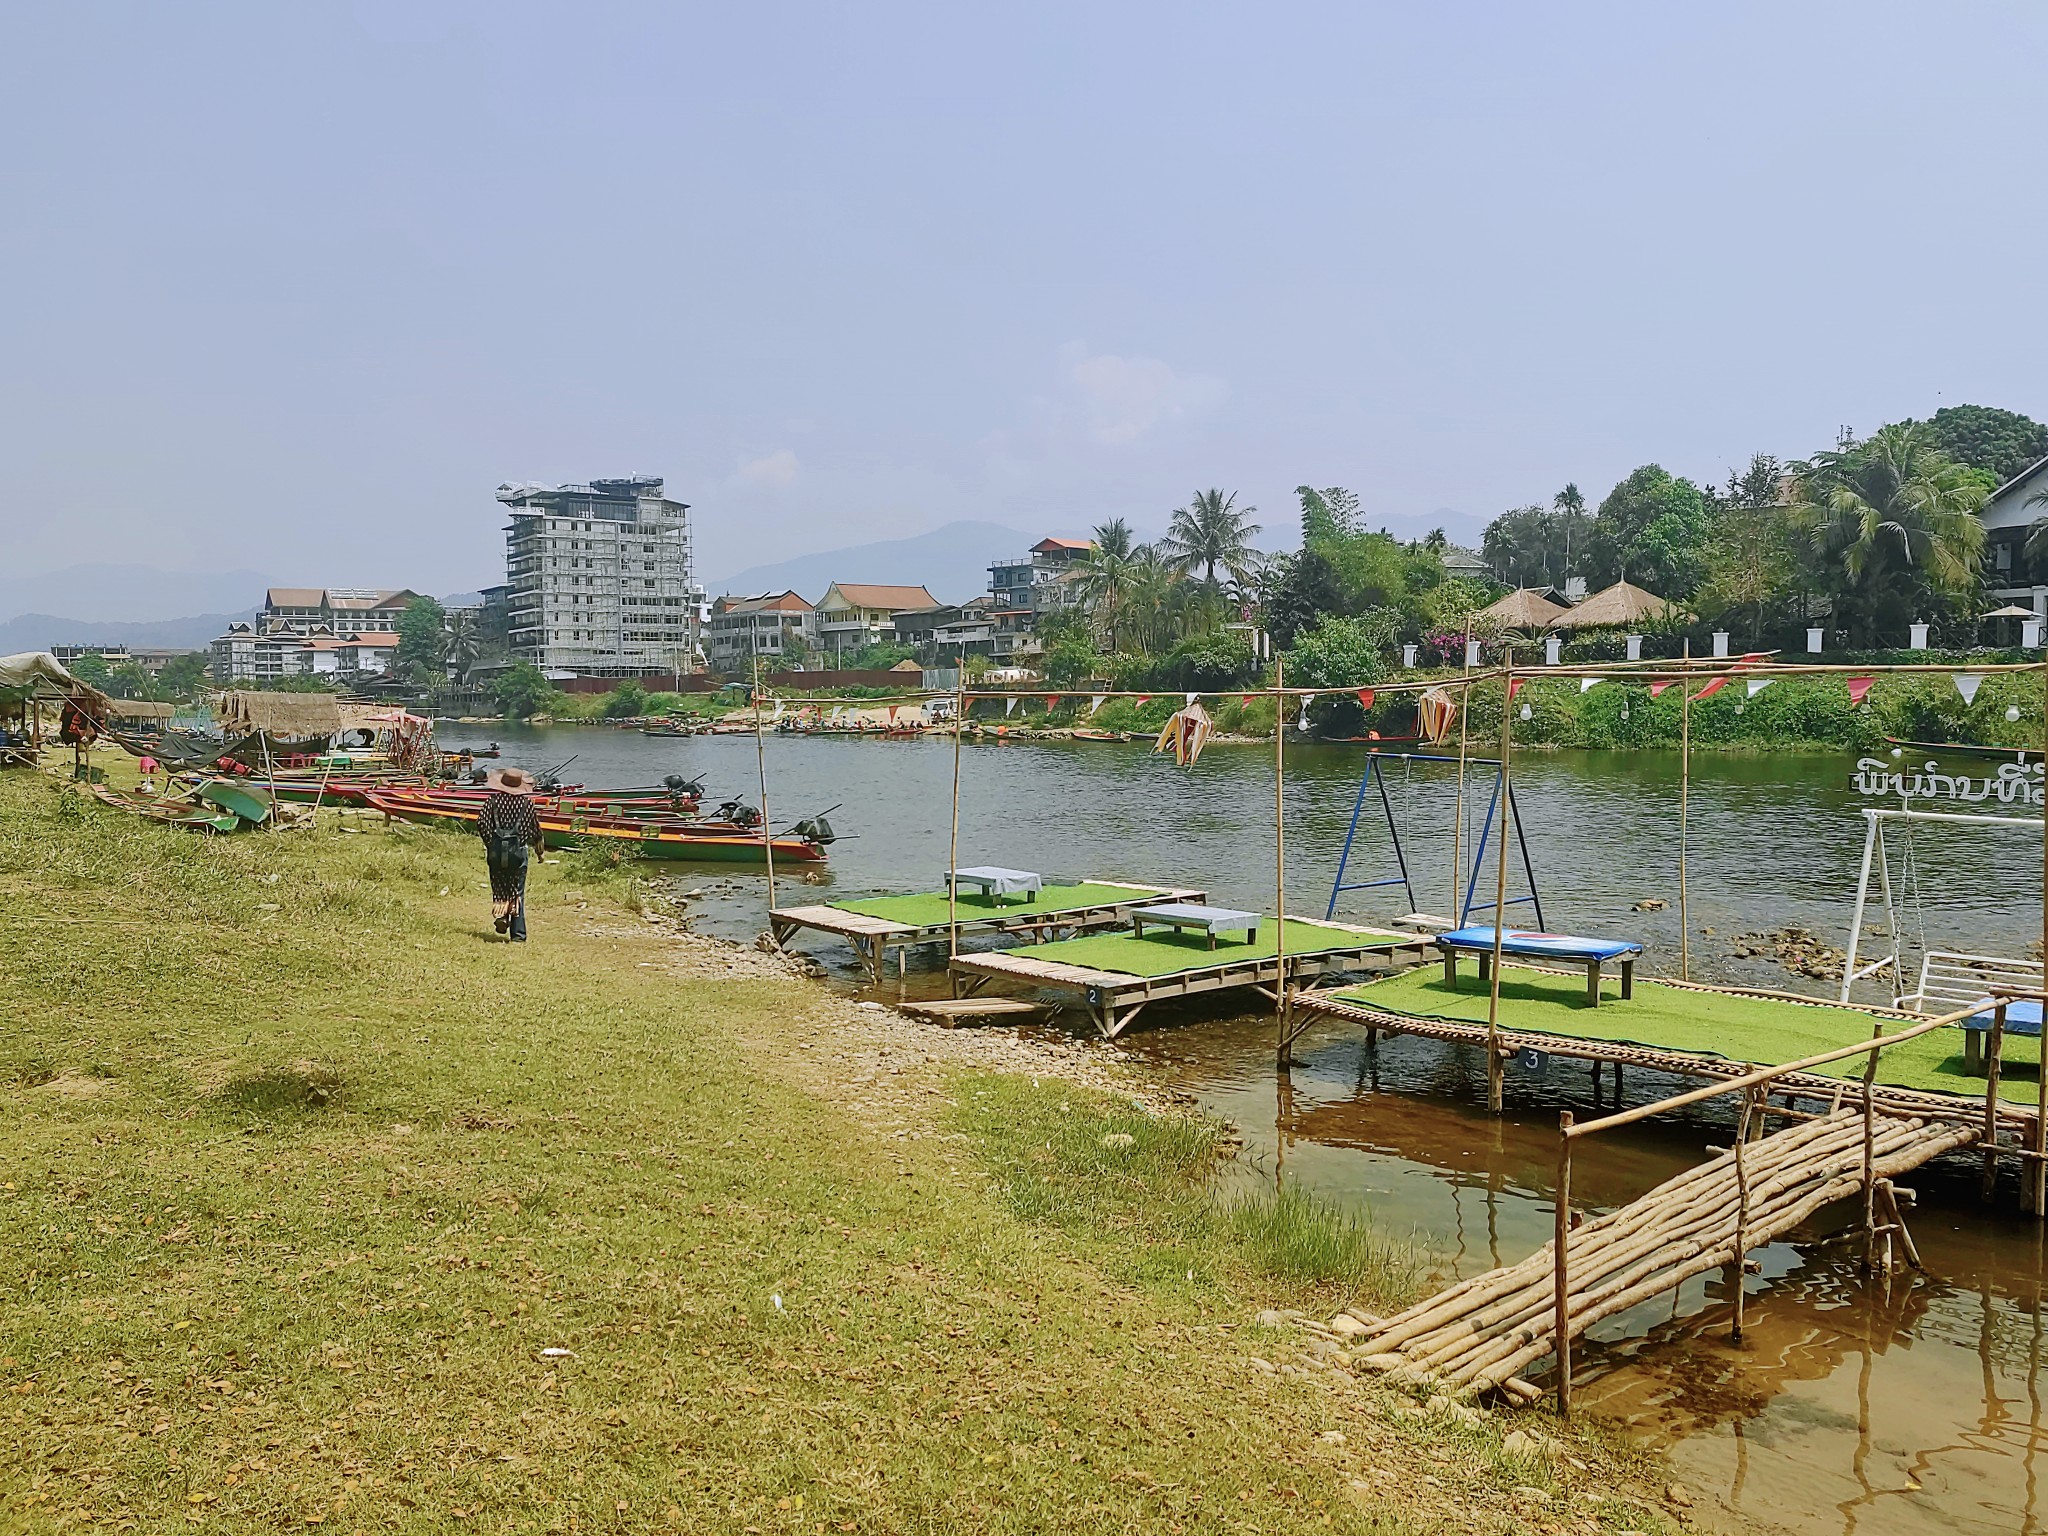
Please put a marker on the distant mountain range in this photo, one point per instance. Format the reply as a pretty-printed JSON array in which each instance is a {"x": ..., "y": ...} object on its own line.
[
  {"x": 131, "y": 594},
  {"x": 40, "y": 631},
  {"x": 950, "y": 562}
]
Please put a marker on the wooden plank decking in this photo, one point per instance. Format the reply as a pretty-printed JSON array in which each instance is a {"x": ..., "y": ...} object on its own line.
[
  {"x": 1114, "y": 998},
  {"x": 873, "y": 937}
]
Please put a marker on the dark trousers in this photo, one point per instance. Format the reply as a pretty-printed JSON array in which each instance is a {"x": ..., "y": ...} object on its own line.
[{"x": 508, "y": 883}]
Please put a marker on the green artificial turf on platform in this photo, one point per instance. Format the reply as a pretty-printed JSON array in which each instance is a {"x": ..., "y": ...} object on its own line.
[
  {"x": 1167, "y": 951},
  {"x": 928, "y": 909},
  {"x": 1761, "y": 1030}
]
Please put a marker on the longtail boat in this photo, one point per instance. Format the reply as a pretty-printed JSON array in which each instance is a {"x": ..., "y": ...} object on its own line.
[{"x": 642, "y": 838}]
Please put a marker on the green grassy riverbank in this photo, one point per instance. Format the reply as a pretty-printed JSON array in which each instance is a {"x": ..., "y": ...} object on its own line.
[{"x": 320, "y": 1208}]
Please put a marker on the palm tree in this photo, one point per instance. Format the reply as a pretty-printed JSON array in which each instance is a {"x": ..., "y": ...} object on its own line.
[
  {"x": 1897, "y": 518},
  {"x": 1570, "y": 506},
  {"x": 465, "y": 642},
  {"x": 1107, "y": 574},
  {"x": 1209, "y": 531},
  {"x": 1151, "y": 598}
]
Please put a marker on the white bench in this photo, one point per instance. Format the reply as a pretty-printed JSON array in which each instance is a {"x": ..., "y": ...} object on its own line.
[
  {"x": 997, "y": 882},
  {"x": 1185, "y": 914}
]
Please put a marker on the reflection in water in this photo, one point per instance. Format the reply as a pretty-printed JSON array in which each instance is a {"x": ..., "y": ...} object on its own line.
[{"x": 1871, "y": 1408}]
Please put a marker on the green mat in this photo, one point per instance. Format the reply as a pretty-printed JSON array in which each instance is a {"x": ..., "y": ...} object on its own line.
[
  {"x": 1752, "y": 1029},
  {"x": 927, "y": 909},
  {"x": 1167, "y": 952}
]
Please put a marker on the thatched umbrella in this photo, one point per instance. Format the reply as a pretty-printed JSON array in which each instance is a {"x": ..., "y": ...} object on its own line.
[
  {"x": 1617, "y": 607},
  {"x": 1522, "y": 609}
]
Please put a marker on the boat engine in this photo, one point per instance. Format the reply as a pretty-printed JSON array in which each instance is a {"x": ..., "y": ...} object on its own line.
[
  {"x": 740, "y": 814},
  {"x": 816, "y": 830}
]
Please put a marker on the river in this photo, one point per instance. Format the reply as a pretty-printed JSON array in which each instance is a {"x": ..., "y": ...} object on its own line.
[{"x": 1850, "y": 1407}]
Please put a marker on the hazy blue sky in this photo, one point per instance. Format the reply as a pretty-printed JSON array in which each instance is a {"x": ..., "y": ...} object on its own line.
[{"x": 296, "y": 286}]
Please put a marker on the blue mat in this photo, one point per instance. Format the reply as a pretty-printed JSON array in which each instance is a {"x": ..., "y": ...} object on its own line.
[{"x": 1528, "y": 944}]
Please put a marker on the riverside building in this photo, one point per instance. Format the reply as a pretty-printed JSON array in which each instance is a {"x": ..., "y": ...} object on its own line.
[{"x": 599, "y": 578}]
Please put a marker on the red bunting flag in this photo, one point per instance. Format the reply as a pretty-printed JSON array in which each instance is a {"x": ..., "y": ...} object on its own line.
[
  {"x": 1712, "y": 688},
  {"x": 1051, "y": 699},
  {"x": 892, "y": 710},
  {"x": 1244, "y": 698},
  {"x": 1515, "y": 687},
  {"x": 1859, "y": 688},
  {"x": 1657, "y": 688},
  {"x": 1365, "y": 698},
  {"x": 1144, "y": 698}
]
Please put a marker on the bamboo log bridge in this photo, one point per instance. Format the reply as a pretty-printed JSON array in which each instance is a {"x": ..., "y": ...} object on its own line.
[{"x": 1481, "y": 1334}]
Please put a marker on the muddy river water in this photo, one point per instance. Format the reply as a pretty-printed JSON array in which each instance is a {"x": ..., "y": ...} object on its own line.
[{"x": 1851, "y": 1406}]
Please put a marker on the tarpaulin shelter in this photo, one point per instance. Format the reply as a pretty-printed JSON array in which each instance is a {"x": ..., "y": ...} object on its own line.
[{"x": 31, "y": 678}]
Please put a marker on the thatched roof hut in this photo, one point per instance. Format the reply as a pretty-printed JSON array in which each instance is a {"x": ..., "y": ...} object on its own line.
[
  {"x": 1522, "y": 609},
  {"x": 1617, "y": 607},
  {"x": 293, "y": 716}
]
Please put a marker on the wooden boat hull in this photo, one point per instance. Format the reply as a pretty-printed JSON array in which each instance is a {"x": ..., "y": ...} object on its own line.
[{"x": 638, "y": 839}]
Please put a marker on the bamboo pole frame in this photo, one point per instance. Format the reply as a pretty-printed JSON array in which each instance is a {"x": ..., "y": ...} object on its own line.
[
  {"x": 953, "y": 845},
  {"x": 1456, "y": 917},
  {"x": 1684, "y": 810},
  {"x": 767, "y": 826},
  {"x": 1495, "y": 1073},
  {"x": 1281, "y": 1010}
]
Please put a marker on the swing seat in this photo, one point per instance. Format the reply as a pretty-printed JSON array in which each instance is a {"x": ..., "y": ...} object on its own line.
[{"x": 1950, "y": 980}]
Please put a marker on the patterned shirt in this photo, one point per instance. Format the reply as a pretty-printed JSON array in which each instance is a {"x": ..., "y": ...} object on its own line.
[{"x": 508, "y": 813}]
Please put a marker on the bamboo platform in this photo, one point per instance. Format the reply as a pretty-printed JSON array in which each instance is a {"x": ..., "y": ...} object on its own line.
[
  {"x": 873, "y": 937},
  {"x": 1825, "y": 1092},
  {"x": 1114, "y": 998},
  {"x": 1483, "y": 1333}
]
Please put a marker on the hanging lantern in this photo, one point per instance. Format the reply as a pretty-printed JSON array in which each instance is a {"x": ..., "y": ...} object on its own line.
[
  {"x": 1527, "y": 712},
  {"x": 2012, "y": 712}
]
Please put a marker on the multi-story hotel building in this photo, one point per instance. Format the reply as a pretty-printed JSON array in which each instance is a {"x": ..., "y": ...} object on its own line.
[{"x": 599, "y": 578}]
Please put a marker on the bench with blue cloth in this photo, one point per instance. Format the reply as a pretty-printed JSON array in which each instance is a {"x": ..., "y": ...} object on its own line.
[
  {"x": 1524, "y": 944},
  {"x": 1185, "y": 914},
  {"x": 2022, "y": 1017}
]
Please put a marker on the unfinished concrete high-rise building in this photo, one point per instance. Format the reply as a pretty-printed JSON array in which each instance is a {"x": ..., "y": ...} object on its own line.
[{"x": 600, "y": 579}]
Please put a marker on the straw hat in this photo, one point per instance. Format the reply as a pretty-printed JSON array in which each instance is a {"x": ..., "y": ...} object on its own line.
[{"x": 511, "y": 781}]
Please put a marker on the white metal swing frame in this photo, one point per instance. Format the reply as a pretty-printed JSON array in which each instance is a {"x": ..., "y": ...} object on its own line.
[{"x": 1934, "y": 963}]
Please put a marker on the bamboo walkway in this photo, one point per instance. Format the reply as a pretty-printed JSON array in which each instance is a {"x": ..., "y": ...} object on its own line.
[{"x": 1482, "y": 1333}]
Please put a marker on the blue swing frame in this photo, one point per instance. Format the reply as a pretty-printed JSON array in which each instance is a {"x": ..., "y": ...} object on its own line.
[{"x": 1371, "y": 779}]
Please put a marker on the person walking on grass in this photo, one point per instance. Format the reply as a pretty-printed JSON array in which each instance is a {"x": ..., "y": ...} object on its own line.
[{"x": 509, "y": 827}]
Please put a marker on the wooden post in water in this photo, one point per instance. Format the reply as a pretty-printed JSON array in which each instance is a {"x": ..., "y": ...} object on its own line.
[
  {"x": 1684, "y": 806},
  {"x": 1560, "y": 1268},
  {"x": 1281, "y": 1010},
  {"x": 1870, "y": 1152},
  {"x": 767, "y": 832},
  {"x": 1494, "y": 1071},
  {"x": 1994, "y": 1048},
  {"x": 1741, "y": 1207}
]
